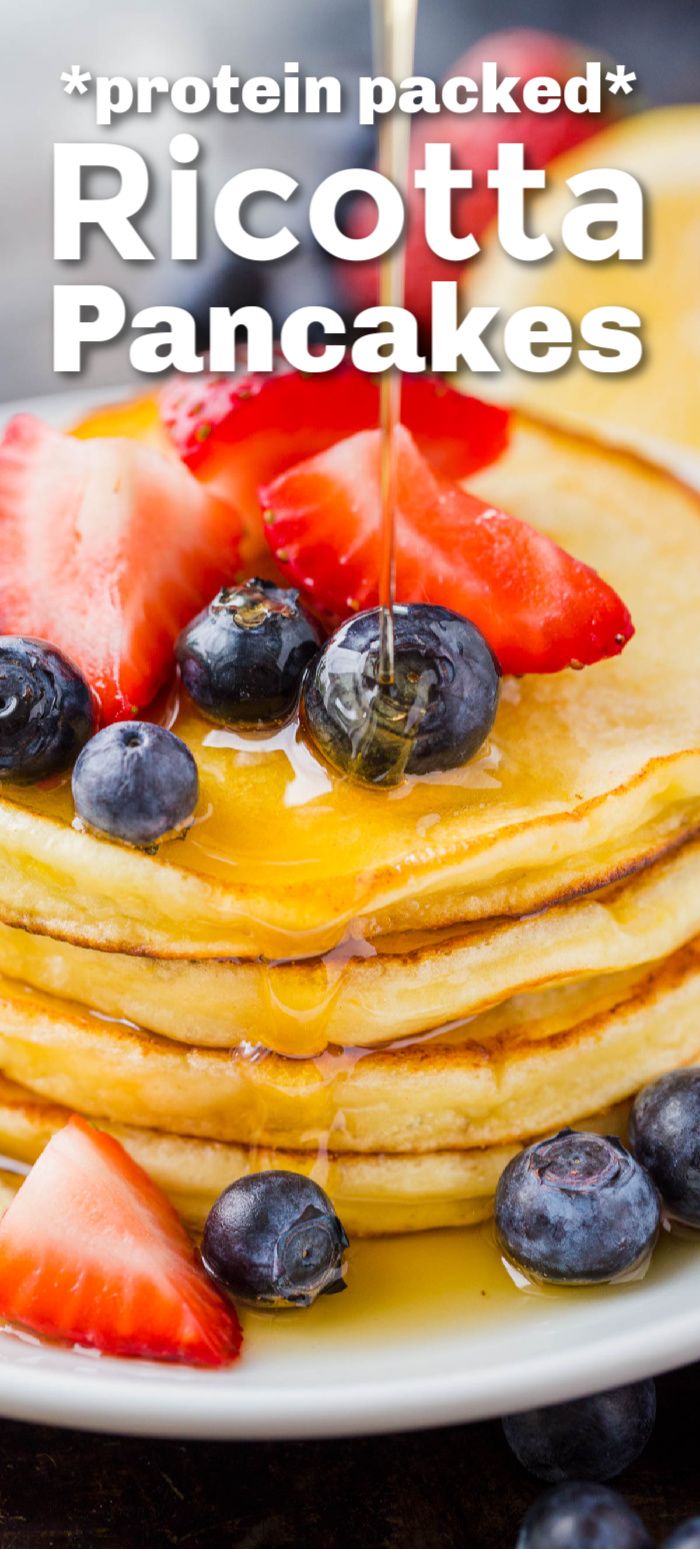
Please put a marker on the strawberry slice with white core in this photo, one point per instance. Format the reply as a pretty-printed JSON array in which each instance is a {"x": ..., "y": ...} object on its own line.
[
  {"x": 93, "y": 1253},
  {"x": 108, "y": 549},
  {"x": 538, "y": 607},
  {"x": 237, "y": 433}
]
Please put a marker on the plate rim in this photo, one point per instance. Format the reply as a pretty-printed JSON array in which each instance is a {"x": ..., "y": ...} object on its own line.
[{"x": 209, "y": 1405}]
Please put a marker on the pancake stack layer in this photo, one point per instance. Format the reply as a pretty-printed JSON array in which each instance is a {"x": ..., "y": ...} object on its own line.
[{"x": 392, "y": 991}]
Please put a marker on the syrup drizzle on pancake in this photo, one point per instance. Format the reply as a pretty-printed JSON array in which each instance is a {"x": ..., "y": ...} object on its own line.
[{"x": 394, "y": 42}]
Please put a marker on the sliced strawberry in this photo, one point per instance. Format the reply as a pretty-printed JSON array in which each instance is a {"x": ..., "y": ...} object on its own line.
[
  {"x": 237, "y": 433},
  {"x": 539, "y": 609},
  {"x": 92, "y": 1252},
  {"x": 108, "y": 549}
]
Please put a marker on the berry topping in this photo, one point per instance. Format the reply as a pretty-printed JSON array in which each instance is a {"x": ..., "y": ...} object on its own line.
[
  {"x": 539, "y": 609},
  {"x": 237, "y": 433},
  {"x": 585, "y": 1439},
  {"x": 434, "y": 716},
  {"x": 46, "y": 712},
  {"x": 576, "y": 1209},
  {"x": 582, "y": 1516},
  {"x": 92, "y": 1252},
  {"x": 274, "y": 1238},
  {"x": 108, "y": 549},
  {"x": 136, "y": 782},
  {"x": 242, "y": 659},
  {"x": 685, "y": 1536},
  {"x": 664, "y": 1134}
]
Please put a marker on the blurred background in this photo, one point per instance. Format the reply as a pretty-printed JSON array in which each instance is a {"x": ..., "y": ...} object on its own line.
[{"x": 194, "y": 37}]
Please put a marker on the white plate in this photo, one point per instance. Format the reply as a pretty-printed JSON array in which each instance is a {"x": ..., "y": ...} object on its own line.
[
  {"x": 369, "y": 1361},
  {"x": 430, "y": 1332}
]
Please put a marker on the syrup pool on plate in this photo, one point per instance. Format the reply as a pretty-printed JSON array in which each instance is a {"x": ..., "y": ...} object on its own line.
[{"x": 451, "y": 1279}]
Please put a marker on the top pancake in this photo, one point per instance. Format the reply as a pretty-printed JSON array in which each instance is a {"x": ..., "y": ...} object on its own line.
[{"x": 587, "y": 774}]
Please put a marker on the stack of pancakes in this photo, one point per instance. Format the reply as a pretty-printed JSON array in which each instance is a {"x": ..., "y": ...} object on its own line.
[{"x": 391, "y": 991}]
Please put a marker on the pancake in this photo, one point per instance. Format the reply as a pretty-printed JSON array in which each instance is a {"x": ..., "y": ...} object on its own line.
[
  {"x": 373, "y": 1195},
  {"x": 412, "y": 983},
  {"x": 586, "y": 775},
  {"x": 538, "y": 1061},
  {"x": 653, "y": 408}
]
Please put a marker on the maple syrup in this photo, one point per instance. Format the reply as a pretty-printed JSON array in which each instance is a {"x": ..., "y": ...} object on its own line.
[
  {"x": 431, "y": 1284},
  {"x": 394, "y": 42}
]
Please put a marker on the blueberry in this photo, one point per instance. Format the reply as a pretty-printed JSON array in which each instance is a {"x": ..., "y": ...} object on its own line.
[
  {"x": 136, "y": 782},
  {"x": 243, "y": 658},
  {"x": 584, "y": 1439},
  {"x": 576, "y": 1208},
  {"x": 45, "y": 709},
  {"x": 274, "y": 1238},
  {"x": 685, "y": 1536},
  {"x": 434, "y": 716},
  {"x": 583, "y": 1516},
  {"x": 664, "y": 1134}
]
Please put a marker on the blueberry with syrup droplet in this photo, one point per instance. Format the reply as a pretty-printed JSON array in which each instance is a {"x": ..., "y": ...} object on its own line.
[
  {"x": 436, "y": 713},
  {"x": 584, "y": 1439},
  {"x": 582, "y": 1516},
  {"x": 46, "y": 711},
  {"x": 576, "y": 1209},
  {"x": 135, "y": 782},
  {"x": 685, "y": 1536},
  {"x": 274, "y": 1238},
  {"x": 664, "y": 1134},
  {"x": 243, "y": 658}
]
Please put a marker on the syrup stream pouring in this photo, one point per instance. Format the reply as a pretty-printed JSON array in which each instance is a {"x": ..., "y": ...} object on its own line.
[{"x": 394, "y": 29}]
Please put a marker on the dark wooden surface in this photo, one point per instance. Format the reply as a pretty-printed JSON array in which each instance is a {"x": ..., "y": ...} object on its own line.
[{"x": 457, "y": 1487}]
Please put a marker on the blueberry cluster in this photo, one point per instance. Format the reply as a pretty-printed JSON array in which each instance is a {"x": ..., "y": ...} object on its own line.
[
  {"x": 273, "y": 1238},
  {"x": 136, "y": 782},
  {"x": 436, "y": 712},
  {"x": 577, "y": 1209},
  {"x": 46, "y": 712},
  {"x": 586, "y": 1439},
  {"x": 248, "y": 657},
  {"x": 585, "y": 1517},
  {"x": 581, "y": 1208},
  {"x": 247, "y": 660},
  {"x": 664, "y": 1134},
  {"x": 243, "y": 658},
  {"x": 576, "y": 1447}
]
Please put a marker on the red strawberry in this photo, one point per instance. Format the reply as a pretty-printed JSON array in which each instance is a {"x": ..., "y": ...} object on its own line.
[
  {"x": 539, "y": 608},
  {"x": 474, "y": 137},
  {"x": 237, "y": 433},
  {"x": 92, "y": 1252},
  {"x": 108, "y": 549}
]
